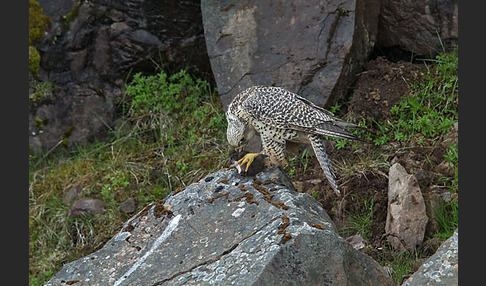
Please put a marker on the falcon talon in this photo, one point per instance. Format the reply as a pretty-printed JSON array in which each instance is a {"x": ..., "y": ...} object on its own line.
[
  {"x": 238, "y": 167},
  {"x": 277, "y": 116}
]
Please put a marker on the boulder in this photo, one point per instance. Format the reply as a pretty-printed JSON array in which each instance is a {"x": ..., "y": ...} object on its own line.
[
  {"x": 406, "y": 218},
  {"x": 228, "y": 229},
  {"x": 442, "y": 268},
  {"x": 90, "y": 52},
  {"x": 421, "y": 27},
  {"x": 312, "y": 48}
]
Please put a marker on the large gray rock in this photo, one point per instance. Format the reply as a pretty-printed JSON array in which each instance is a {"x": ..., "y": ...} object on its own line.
[
  {"x": 442, "y": 268},
  {"x": 314, "y": 48},
  {"x": 421, "y": 27},
  {"x": 406, "y": 218},
  {"x": 228, "y": 229}
]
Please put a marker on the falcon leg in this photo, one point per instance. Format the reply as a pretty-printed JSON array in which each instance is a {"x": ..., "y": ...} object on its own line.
[{"x": 274, "y": 150}]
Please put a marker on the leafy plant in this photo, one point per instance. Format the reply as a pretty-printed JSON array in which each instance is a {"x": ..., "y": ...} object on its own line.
[
  {"x": 114, "y": 183},
  {"x": 158, "y": 100},
  {"x": 452, "y": 157},
  {"x": 300, "y": 161}
]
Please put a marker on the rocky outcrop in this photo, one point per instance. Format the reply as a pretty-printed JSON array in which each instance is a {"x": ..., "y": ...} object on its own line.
[
  {"x": 313, "y": 48},
  {"x": 90, "y": 52},
  {"x": 228, "y": 229},
  {"x": 442, "y": 268},
  {"x": 421, "y": 27},
  {"x": 406, "y": 218}
]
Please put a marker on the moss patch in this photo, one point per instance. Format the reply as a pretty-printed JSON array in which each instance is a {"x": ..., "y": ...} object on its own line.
[
  {"x": 38, "y": 23},
  {"x": 69, "y": 17},
  {"x": 34, "y": 60}
]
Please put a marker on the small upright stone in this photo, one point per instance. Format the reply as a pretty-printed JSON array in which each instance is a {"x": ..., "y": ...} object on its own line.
[{"x": 406, "y": 218}]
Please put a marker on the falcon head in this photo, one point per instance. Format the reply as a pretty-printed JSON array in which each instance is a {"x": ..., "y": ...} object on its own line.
[{"x": 235, "y": 131}]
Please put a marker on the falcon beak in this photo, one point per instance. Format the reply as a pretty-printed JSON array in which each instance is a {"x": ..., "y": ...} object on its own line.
[
  {"x": 239, "y": 149},
  {"x": 241, "y": 146}
]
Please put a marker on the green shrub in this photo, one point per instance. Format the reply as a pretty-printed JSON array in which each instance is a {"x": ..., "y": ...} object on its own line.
[{"x": 184, "y": 115}]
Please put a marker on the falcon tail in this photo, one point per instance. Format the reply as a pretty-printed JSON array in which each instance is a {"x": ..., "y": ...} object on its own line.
[{"x": 324, "y": 161}]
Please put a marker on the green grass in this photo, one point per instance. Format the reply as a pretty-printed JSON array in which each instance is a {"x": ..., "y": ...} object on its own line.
[
  {"x": 448, "y": 218},
  {"x": 299, "y": 163},
  {"x": 420, "y": 118},
  {"x": 423, "y": 118},
  {"x": 172, "y": 133},
  {"x": 432, "y": 108},
  {"x": 402, "y": 264},
  {"x": 360, "y": 221}
]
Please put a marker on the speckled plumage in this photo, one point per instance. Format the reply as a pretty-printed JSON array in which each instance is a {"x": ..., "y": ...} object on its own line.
[{"x": 278, "y": 116}]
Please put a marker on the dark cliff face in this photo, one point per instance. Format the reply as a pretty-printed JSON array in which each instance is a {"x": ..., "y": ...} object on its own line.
[
  {"x": 423, "y": 28},
  {"x": 106, "y": 40},
  {"x": 92, "y": 50}
]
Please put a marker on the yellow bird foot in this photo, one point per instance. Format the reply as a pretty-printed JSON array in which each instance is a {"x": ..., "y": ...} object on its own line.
[{"x": 248, "y": 159}]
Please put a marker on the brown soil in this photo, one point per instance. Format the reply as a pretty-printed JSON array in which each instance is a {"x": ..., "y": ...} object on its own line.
[{"x": 381, "y": 84}]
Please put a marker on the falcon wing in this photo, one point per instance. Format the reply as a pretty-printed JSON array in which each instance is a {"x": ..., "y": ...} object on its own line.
[{"x": 286, "y": 110}]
